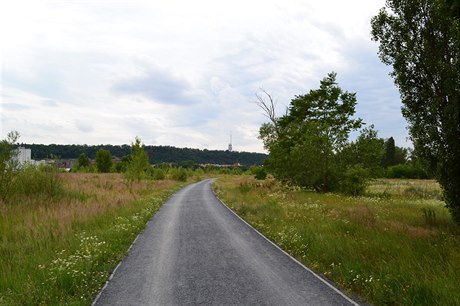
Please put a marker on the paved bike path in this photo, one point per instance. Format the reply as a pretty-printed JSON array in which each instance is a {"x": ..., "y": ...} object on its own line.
[{"x": 196, "y": 251}]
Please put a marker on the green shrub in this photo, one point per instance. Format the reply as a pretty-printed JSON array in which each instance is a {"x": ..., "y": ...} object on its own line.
[
  {"x": 355, "y": 181},
  {"x": 179, "y": 174},
  {"x": 103, "y": 161},
  {"x": 83, "y": 160},
  {"x": 8, "y": 165},
  {"x": 38, "y": 181},
  {"x": 407, "y": 171},
  {"x": 158, "y": 174},
  {"x": 260, "y": 173},
  {"x": 224, "y": 171},
  {"x": 236, "y": 171}
]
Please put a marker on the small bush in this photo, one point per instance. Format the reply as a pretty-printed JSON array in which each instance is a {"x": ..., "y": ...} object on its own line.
[
  {"x": 179, "y": 174},
  {"x": 259, "y": 173},
  {"x": 355, "y": 181},
  {"x": 158, "y": 174},
  {"x": 236, "y": 171}
]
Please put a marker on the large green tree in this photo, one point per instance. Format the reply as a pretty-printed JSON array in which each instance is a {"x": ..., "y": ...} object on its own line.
[
  {"x": 389, "y": 158},
  {"x": 303, "y": 144},
  {"x": 420, "y": 39}
]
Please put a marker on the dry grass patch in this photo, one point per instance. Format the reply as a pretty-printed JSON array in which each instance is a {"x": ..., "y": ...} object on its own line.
[
  {"x": 61, "y": 250},
  {"x": 363, "y": 215}
]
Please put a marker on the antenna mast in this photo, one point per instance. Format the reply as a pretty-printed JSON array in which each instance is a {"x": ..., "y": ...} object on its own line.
[{"x": 230, "y": 146}]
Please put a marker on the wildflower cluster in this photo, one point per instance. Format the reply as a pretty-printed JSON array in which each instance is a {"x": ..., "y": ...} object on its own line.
[
  {"x": 290, "y": 239},
  {"x": 77, "y": 272},
  {"x": 361, "y": 281}
]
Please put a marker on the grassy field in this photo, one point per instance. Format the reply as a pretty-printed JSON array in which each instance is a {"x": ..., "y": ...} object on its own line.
[
  {"x": 395, "y": 246},
  {"x": 61, "y": 250}
]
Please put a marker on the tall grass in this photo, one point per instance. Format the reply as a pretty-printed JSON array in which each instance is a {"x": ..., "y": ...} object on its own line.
[
  {"x": 60, "y": 248},
  {"x": 388, "y": 247}
]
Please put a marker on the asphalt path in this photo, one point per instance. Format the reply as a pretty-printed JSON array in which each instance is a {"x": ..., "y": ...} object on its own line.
[{"x": 195, "y": 251}]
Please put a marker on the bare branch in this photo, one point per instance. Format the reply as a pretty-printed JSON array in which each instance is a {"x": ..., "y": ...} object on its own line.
[{"x": 268, "y": 107}]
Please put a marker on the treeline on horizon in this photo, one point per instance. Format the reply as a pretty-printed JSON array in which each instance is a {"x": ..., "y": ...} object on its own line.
[{"x": 157, "y": 154}]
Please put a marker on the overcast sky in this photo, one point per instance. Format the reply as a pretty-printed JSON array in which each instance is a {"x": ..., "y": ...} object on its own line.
[{"x": 182, "y": 73}]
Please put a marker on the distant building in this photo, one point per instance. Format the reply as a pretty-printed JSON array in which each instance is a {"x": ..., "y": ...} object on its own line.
[{"x": 23, "y": 155}]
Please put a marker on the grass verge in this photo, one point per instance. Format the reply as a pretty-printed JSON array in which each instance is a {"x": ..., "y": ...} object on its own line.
[
  {"x": 395, "y": 246},
  {"x": 61, "y": 250}
]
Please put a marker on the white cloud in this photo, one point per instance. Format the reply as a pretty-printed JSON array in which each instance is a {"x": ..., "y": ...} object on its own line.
[{"x": 180, "y": 73}]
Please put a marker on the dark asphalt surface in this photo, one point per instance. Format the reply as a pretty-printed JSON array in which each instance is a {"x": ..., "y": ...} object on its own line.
[{"x": 195, "y": 251}]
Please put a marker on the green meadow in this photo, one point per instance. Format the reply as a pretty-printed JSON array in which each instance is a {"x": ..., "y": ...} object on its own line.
[{"x": 397, "y": 245}]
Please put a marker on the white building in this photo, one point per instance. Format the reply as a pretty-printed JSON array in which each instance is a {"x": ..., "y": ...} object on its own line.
[{"x": 23, "y": 155}]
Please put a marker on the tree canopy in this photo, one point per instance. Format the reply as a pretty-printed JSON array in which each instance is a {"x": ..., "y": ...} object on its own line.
[
  {"x": 304, "y": 143},
  {"x": 157, "y": 154},
  {"x": 420, "y": 39}
]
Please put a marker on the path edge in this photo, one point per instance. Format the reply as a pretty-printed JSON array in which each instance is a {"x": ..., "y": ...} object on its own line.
[
  {"x": 98, "y": 296},
  {"x": 328, "y": 284}
]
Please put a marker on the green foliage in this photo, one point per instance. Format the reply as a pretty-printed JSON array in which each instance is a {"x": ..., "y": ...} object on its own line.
[
  {"x": 406, "y": 171},
  {"x": 157, "y": 154},
  {"x": 19, "y": 182},
  {"x": 179, "y": 174},
  {"x": 389, "y": 159},
  {"x": 190, "y": 164},
  {"x": 83, "y": 160},
  {"x": 38, "y": 181},
  {"x": 393, "y": 155},
  {"x": 103, "y": 161},
  {"x": 401, "y": 155},
  {"x": 366, "y": 152},
  {"x": 138, "y": 164},
  {"x": 121, "y": 166},
  {"x": 421, "y": 41},
  {"x": 158, "y": 174},
  {"x": 304, "y": 142},
  {"x": 8, "y": 165},
  {"x": 355, "y": 181},
  {"x": 83, "y": 164},
  {"x": 259, "y": 172}
]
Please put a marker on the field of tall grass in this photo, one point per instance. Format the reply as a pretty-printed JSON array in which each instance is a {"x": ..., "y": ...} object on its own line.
[
  {"x": 59, "y": 247},
  {"x": 397, "y": 245}
]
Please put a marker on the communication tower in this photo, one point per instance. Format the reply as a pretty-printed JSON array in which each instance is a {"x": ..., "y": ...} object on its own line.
[{"x": 230, "y": 146}]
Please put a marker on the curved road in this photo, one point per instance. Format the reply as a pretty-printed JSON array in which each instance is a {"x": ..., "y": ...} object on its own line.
[{"x": 196, "y": 251}]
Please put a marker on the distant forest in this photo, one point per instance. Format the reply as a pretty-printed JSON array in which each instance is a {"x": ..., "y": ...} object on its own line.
[{"x": 157, "y": 154}]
